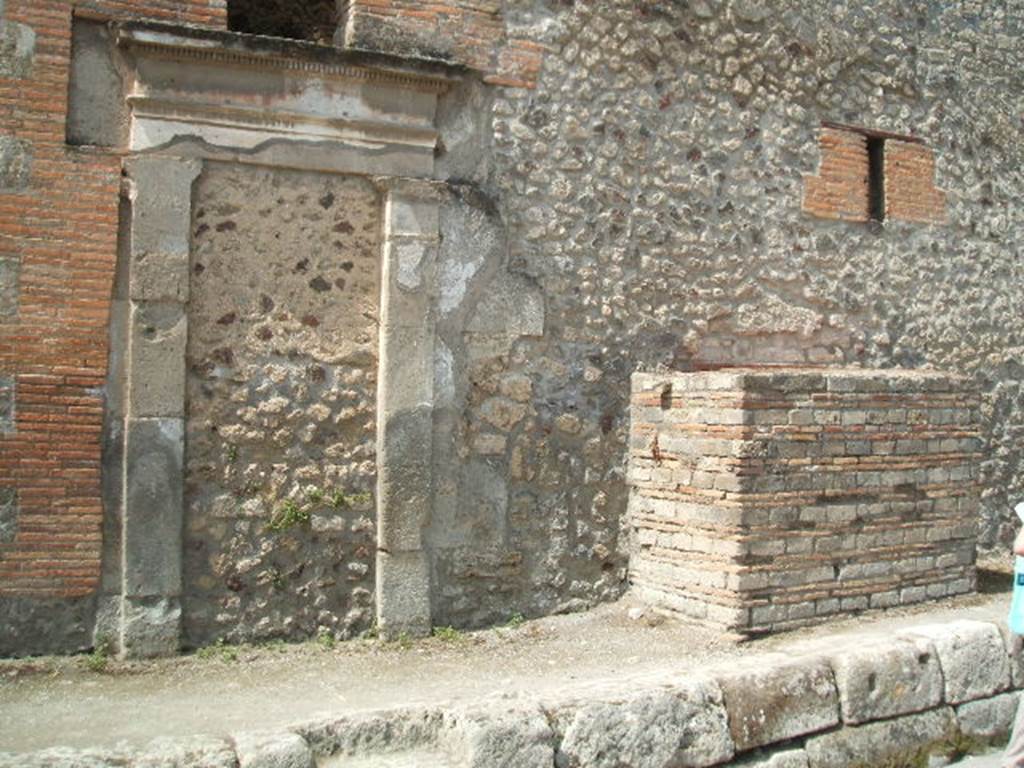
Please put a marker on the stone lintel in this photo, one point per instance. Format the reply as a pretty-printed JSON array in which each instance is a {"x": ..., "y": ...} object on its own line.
[{"x": 229, "y": 94}]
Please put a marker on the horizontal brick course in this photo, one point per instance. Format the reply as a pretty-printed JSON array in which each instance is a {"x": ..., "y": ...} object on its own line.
[
  {"x": 60, "y": 228},
  {"x": 870, "y": 499},
  {"x": 466, "y": 32}
]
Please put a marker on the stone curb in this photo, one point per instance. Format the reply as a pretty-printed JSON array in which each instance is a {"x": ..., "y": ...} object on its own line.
[{"x": 931, "y": 689}]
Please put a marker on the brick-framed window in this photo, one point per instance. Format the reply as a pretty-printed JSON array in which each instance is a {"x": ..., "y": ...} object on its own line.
[{"x": 870, "y": 175}]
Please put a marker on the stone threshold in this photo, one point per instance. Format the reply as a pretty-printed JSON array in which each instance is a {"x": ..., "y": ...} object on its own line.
[{"x": 937, "y": 690}]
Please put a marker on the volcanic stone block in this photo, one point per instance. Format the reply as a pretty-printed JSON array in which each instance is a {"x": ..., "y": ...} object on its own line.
[
  {"x": 888, "y": 678},
  {"x": 875, "y": 743},
  {"x": 988, "y": 719},
  {"x": 273, "y": 750},
  {"x": 779, "y": 702},
  {"x": 973, "y": 658},
  {"x": 768, "y": 498},
  {"x": 683, "y": 725}
]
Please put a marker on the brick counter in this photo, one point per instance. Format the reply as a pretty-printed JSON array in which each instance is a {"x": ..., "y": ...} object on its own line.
[{"x": 763, "y": 499}]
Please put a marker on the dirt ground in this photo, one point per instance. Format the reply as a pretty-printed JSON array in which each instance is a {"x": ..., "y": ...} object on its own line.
[{"x": 91, "y": 701}]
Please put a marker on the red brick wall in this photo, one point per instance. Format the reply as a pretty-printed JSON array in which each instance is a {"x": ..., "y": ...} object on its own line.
[
  {"x": 840, "y": 190},
  {"x": 467, "y": 32},
  {"x": 62, "y": 227},
  {"x": 910, "y": 192}
]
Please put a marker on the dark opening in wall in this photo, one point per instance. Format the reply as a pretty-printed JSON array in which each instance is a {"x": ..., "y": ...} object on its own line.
[
  {"x": 876, "y": 178},
  {"x": 313, "y": 20}
]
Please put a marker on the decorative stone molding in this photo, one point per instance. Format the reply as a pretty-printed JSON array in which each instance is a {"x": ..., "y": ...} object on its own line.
[
  {"x": 229, "y": 94},
  {"x": 196, "y": 96}
]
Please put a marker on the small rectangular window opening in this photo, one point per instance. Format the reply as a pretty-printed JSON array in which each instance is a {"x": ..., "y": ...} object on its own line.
[{"x": 876, "y": 178}]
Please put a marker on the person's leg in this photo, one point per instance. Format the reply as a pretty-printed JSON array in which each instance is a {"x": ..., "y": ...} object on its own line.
[{"x": 1014, "y": 755}]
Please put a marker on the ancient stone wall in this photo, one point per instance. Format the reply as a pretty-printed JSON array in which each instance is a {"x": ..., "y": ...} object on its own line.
[
  {"x": 282, "y": 383},
  {"x": 653, "y": 186},
  {"x": 629, "y": 184},
  {"x": 58, "y": 235}
]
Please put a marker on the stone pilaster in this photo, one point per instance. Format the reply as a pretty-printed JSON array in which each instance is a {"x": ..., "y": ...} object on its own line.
[
  {"x": 406, "y": 407},
  {"x": 154, "y": 432}
]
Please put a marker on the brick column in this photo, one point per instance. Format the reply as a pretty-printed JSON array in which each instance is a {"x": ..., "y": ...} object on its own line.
[
  {"x": 405, "y": 404},
  {"x": 154, "y": 432}
]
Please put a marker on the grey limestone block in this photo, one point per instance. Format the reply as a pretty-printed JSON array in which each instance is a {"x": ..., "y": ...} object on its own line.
[
  {"x": 786, "y": 758},
  {"x": 406, "y": 728},
  {"x": 191, "y": 752},
  {"x": 150, "y": 627},
  {"x": 973, "y": 658},
  {"x": 988, "y": 719},
  {"x": 403, "y": 593},
  {"x": 159, "y": 334},
  {"x": 407, "y": 364},
  {"x": 510, "y": 305},
  {"x": 685, "y": 724},
  {"x": 874, "y": 743},
  {"x": 273, "y": 750},
  {"x": 65, "y": 757},
  {"x": 153, "y": 507},
  {"x": 159, "y": 276},
  {"x": 404, "y": 484},
  {"x": 161, "y": 207},
  {"x": 773, "y": 702},
  {"x": 410, "y": 215},
  {"x": 888, "y": 678},
  {"x": 508, "y": 737},
  {"x": 1015, "y": 653},
  {"x": 8, "y": 514}
]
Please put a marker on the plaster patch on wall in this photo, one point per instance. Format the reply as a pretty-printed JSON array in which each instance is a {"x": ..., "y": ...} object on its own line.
[
  {"x": 8, "y": 514},
  {"x": 15, "y": 164},
  {"x": 411, "y": 254},
  {"x": 509, "y": 306},
  {"x": 444, "y": 375},
  {"x": 17, "y": 47},
  {"x": 454, "y": 279},
  {"x": 7, "y": 391},
  {"x": 472, "y": 238},
  {"x": 10, "y": 268},
  {"x": 770, "y": 314}
]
